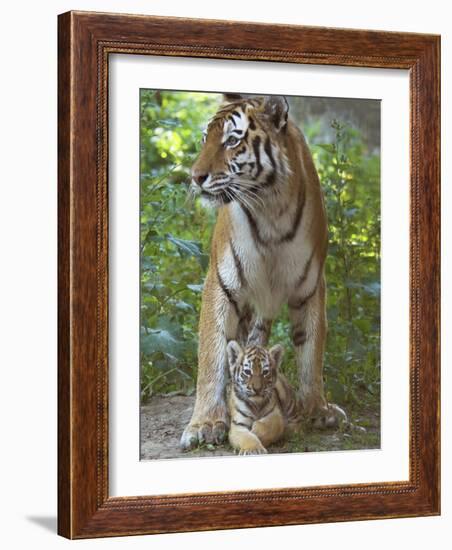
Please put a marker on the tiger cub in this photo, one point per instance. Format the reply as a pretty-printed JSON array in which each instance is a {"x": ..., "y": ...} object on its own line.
[{"x": 262, "y": 404}]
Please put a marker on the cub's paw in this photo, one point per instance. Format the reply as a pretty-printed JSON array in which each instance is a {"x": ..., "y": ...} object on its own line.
[
  {"x": 331, "y": 416},
  {"x": 207, "y": 432},
  {"x": 253, "y": 450}
]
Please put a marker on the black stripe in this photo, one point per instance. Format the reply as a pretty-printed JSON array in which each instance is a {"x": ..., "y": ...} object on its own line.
[
  {"x": 237, "y": 377},
  {"x": 241, "y": 424},
  {"x": 244, "y": 414},
  {"x": 268, "y": 413},
  {"x": 252, "y": 125},
  {"x": 298, "y": 215},
  {"x": 256, "y": 147},
  {"x": 301, "y": 302},
  {"x": 278, "y": 399},
  {"x": 299, "y": 336},
  {"x": 285, "y": 238},
  {"x": 227, "y": 293},
  {"x": 270, "y": 180},
  {"x": 268, "y": 151},
  {"x": 243, "y": 326},
  {"x": 248, "y": 403},
  {"x": 255, "y": 408},
  {"x": 260, "y": 332},
  {"x": 304, "y": 275},
  {"x": 238, "y": 264},
  {"x": 253, "y": 226}
]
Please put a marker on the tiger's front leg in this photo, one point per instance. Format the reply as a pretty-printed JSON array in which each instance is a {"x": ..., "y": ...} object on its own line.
[
  {"x": 309, "y": 326},
  {"x": 218, "y": 324},
  {"x": 260, "y": 332},
  {"x": 269, "y": 429},
  {"x": 245, "y": 442}
]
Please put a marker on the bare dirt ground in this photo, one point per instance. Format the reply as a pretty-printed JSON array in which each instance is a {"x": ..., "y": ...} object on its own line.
[{"x": 164, "y": 418}]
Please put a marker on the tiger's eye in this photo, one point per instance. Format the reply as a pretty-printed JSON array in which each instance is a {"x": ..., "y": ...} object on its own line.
[{"x": 231, "y": 141}]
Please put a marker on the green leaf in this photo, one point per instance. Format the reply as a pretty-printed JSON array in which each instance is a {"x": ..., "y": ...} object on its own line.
[
  {"x": 147, "y": 264},
  {"x": 350, "y": 212},
  {"x": 196, "y": 288},
  {"x": 373, "y": 288},
  {"x": 328, "y": 147},
  {"x": 166, "y": 337},
  {"x": 183, "y": 306},
  {"x": 185, "y": 247}
]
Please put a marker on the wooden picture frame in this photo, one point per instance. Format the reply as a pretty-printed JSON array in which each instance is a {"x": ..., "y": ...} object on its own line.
[{"x": 85, "y": 42}]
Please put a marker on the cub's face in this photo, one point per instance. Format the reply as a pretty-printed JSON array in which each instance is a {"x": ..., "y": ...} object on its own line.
[
  {"x": 242, "y": 154},
  {"x": 253, "y": 369}
]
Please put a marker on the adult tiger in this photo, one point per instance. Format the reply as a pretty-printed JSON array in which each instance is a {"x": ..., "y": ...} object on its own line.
[{"x": 268, "y": 248}]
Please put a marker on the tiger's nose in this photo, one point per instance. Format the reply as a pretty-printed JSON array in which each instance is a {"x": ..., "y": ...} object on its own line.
[{"x": 199, "y": 178}]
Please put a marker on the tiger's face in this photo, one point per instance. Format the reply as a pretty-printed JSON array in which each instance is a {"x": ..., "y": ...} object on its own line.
[
  {"x": 242, "y": 155},
  {"x": 254, "y": 369}
]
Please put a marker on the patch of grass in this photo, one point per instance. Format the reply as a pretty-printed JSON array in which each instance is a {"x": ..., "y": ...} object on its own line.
[
  {"x": 331, "y": 440},
  {"x": 363, "y": 433}
]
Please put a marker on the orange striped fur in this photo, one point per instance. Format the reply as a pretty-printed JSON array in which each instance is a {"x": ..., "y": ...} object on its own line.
[
  {"x": 262, "y": 404},
  {"x": 268, "y": 249}
]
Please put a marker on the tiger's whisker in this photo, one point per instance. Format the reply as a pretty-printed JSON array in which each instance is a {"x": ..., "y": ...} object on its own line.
[{"x": 253, "y": 197}]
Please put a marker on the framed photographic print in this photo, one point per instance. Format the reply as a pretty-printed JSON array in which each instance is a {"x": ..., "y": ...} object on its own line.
[{"x": 248, "y": 275}]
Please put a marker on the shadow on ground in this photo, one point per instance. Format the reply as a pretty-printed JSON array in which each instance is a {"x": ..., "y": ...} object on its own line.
[
  {"x": 49, "y": 523},
  {"x": 164, "y": 418}
]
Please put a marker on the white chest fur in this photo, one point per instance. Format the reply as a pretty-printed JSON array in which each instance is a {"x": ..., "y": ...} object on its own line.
[{"x": 269, "y": 275}]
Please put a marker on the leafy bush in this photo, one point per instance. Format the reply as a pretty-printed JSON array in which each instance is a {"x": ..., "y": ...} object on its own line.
[{"x": 175, "y": 237}]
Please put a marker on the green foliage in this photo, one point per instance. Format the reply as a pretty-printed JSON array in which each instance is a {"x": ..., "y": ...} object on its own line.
[
  {"x": 351, "y": 181},
  {"x": 175, "y": 239}
]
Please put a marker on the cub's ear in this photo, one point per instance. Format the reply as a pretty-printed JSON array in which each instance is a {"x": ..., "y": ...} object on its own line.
[
  {"x": 277, "y": 110},
  {"x": 234, "y": 353},
  {"x": 230, "y": 97},
  {"x": 276, "y": 353}
]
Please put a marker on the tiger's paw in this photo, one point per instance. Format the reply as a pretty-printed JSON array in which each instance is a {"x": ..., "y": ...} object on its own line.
[
  {"x": 331, "y": 416},
  {"x": 207, "y": 432},
  {"x": 252, "y": 448},
  {"x": 249, "y": 452}
]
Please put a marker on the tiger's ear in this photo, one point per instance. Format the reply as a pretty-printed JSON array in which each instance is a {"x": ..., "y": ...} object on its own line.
[
  {"x": 276, "y": 353},
  {"x": 277, "y": 110},
  {"x": 234, "y": 353},
  {"x": 231, "y": 97}
]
